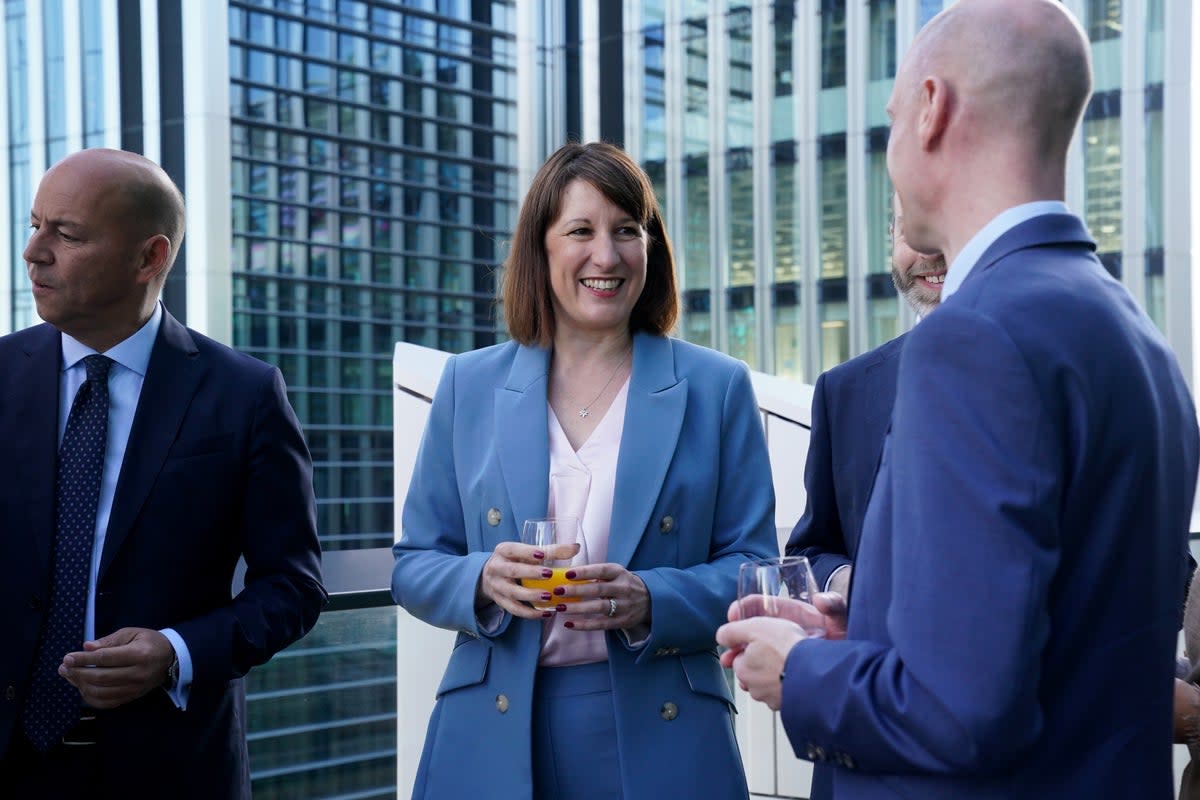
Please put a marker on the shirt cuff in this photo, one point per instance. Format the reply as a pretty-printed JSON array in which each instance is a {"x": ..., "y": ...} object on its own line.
[
  {"x": 829, "y": 580},
  {"x": 489, "y": 618},
  {"x": 179, "y": 695},
  {"x": 636, "y": 636}
]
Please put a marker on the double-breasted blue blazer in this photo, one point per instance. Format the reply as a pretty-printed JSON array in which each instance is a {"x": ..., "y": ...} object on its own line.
[
  {"x": 693, "y": 501},
  {"x": 215, "y": 469},
  {"x": 1018, "y": 582}
]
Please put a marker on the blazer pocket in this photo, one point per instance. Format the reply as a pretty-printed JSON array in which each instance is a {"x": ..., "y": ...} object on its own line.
[
  {"x": 705, "y": 676},
  {"x": 468, "y": 666},
  {"x": 207, "y": 445}
]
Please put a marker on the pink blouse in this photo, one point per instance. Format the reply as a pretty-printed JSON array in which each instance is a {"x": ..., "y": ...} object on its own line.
[{"x": 582, "y": 484}]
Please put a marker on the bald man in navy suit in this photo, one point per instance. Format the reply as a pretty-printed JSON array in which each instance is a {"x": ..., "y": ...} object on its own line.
[{"x": 125, "y": 649}]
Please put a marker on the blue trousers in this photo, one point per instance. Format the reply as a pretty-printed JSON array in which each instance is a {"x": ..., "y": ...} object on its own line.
[{"x": 575, "y": 735}]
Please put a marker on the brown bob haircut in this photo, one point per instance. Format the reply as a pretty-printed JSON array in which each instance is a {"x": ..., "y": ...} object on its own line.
[{"x": 525, "y": 291}]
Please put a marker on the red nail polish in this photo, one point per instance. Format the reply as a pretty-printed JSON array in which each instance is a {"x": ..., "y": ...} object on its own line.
[
  {"x": 570, "y": 574},
  {"x": 538, "y": 554},
  {"x": 558, "y": 589},
  {"x": 547, "y": 573},
  {"x": 561, "y": 607},
  {"x": 547, "y": 613},
  {"x": 569, "y": 624},
  {"x": 546, "y": 596}
]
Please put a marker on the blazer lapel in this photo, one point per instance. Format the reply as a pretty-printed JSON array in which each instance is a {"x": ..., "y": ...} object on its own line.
[
  {"x": 653, "y": 418},
  {"x": 33, "y": 444},
  {"x": 172, "y": 377},
  {"x": 522, "y": 438}
]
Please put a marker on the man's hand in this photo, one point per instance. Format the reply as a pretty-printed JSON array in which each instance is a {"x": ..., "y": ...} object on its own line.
[
  {"x": 758, "y": 650},
  {"x": 827, "y": 611},
  {"x": 1187, "y": 713},
  {"x": 119, "y": 668},
  {"x": 832, "y": 606}
]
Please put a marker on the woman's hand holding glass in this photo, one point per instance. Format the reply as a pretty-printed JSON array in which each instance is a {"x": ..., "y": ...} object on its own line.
[
  {"x": 606, "y": 597},
  {"x": 522, "y": 577},
  {"x": 548, "y": 572}
]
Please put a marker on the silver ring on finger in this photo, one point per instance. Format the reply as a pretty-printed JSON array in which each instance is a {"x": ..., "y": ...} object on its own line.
[{"x": 612, "y": 607}]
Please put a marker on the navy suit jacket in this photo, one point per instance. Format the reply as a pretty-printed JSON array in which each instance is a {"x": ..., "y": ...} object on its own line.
[
  {"x": 1002, "y": 643},
  {"x": 851, "y": 409},
  {"x": 693, "y": 501},
  {"x": 215, "y": 469}
]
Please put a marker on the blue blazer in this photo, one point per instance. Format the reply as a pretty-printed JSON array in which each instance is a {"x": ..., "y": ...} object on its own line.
[
  {"x": 851, "y": 409},
  {"x": 1002, "y": 642},
  {"x": 693, "y": 501},
  {"x": 215, "y": 468}
]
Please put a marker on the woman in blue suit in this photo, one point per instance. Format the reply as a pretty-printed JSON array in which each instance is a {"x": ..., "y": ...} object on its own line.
[{"x": 656, "y": 446}]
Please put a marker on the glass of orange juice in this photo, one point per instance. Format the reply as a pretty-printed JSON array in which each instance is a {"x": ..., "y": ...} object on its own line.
[{"x": 562, "y": 541}]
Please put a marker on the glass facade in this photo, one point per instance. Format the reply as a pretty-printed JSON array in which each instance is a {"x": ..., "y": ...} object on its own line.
[
  {"x": 1102, "y": 134},
  {"x": 19, "y": 157},
  {"x": 92, "y": 72},
  {"x": 883, "y": 305},
  {"x": 788, "y": 186},
  {"x": 1155, "y": 192},
  {"x": 373, "y": 180},
  {"x": 814, "y": 231},
  {"x": 322, "y": 714},
  {"x": 832, "y": 183},
  {"x": 739, "y": 195},
  {"x": 697, "y": 243}
]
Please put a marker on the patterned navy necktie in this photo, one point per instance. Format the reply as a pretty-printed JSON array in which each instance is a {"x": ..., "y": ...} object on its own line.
[{"x": 52, "y": 706}]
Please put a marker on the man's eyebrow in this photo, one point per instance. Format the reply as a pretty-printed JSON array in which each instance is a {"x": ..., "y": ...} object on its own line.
[{"x": 61, "y": 222}]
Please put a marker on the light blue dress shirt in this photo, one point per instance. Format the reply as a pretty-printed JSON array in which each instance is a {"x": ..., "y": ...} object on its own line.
[
  {"x": 1001, "y": 224},
  {"x": 125, "y": 378}
]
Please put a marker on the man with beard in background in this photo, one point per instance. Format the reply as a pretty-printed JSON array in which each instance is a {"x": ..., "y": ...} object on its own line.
[{"x": 851, "y": 407}]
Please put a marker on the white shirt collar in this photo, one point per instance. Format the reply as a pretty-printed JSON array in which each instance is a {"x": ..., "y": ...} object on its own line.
[
  {"x": 1001, "y": 224},
  {"x": 133, "y": 353}
]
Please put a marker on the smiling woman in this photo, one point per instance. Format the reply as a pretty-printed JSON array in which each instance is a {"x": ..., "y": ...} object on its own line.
[
  {"x": 655, "y": 446},
  {"x": 596, "y": 177}
]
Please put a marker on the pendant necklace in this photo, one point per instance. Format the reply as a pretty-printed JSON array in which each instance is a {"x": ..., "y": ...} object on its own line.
[{"x": 583, "y": 411}]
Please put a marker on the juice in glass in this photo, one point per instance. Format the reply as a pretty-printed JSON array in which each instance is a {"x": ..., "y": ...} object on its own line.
[{"x": 559, "y": 578}]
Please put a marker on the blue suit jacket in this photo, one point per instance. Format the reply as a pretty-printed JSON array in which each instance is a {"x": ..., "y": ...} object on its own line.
[
  {"x": 851, "y": 409},
  {"x": 215, "y": 468},
  {"x": 693, "y": 451},
  {"x": 1002, "y": 642}
]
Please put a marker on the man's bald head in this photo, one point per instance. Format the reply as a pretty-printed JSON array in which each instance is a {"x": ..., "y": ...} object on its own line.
[
  {"x": 153, "y": 203},
  {"x": 1018, "y": 67},
  {"x": 983, "y": 110}
]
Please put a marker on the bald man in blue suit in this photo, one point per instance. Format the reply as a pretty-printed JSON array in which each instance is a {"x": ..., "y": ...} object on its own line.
[{"x": 1001, "y": 643}]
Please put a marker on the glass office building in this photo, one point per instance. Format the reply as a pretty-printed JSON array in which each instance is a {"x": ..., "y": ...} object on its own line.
[
  {"x": 372, "y": 153},
  {"x": 763, "y": 127},
  {"x": 352, "y": 169},
  {"x": 349, "y": 168}
]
